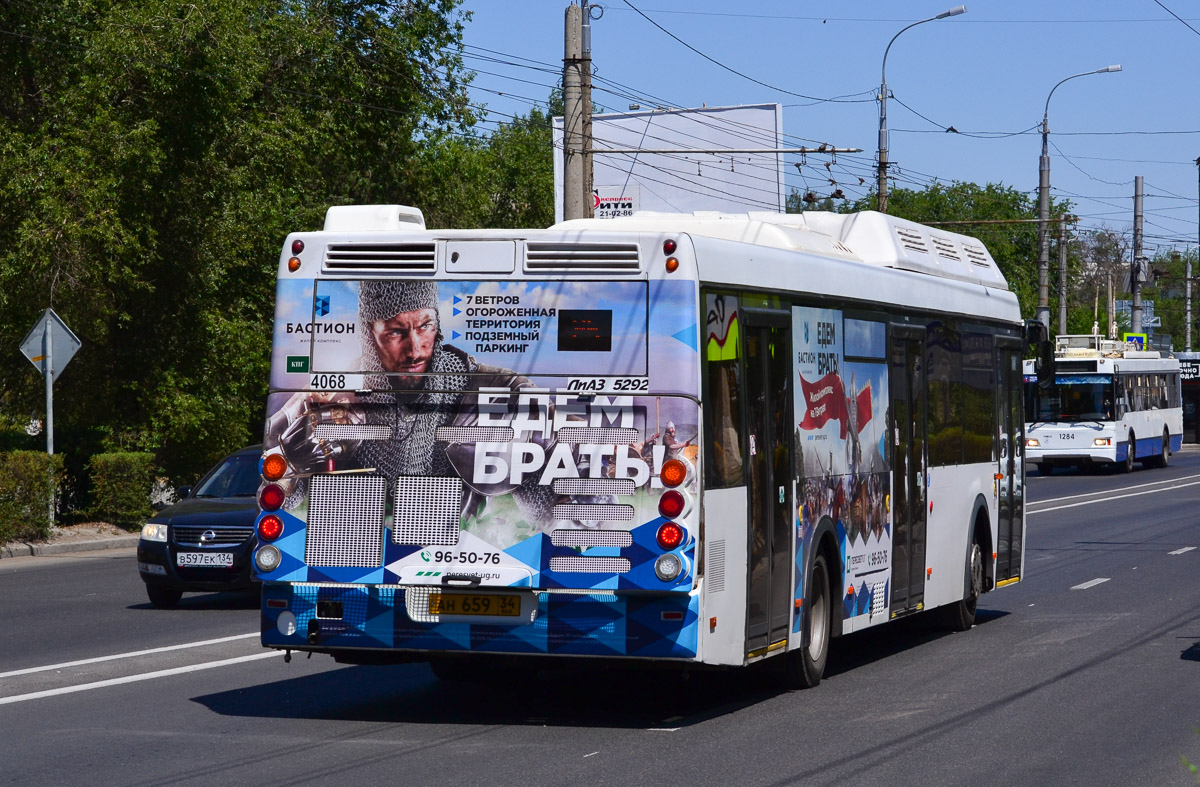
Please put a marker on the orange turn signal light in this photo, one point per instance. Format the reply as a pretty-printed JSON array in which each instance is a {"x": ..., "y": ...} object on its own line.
[
  {"x": 274, "y": 466},
  {"x": 674, "y": 472},
  {"x": 294, "y": 264}
]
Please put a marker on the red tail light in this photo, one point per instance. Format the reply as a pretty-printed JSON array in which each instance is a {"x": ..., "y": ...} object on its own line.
[
  {"x": 270, "y": 527},
  {"x": 297, "y": 246},
  {"x": 271, "y": 497},
  {"x": 670, "y": 535},
  {"x": 671, "y": 504}
]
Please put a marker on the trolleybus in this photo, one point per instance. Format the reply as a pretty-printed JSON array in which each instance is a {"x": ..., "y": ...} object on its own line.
[
  {"x": 1110, "y": 405},
  {"x": 699, "y": 440}
]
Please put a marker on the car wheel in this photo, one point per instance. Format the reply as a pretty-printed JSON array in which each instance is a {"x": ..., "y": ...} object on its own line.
[
  {"x": 163, "y": 597},
  {"x": 1129, "y": 453},
  {"x": 960, "y": 615},
  {"x": 803, "y": 668}
]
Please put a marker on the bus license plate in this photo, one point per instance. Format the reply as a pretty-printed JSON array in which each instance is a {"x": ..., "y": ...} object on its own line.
[
  {"x": 223, "y": 559},
  {"x": 465, "y": 604}
]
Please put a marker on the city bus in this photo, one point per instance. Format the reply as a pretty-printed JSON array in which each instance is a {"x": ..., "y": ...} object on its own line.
[
  {"x": 692, "y": 440},
  {"x": 1110, "y": 405}
]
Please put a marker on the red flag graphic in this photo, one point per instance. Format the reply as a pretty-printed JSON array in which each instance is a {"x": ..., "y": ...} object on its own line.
[
  {"x": 863, "y": 411},
  {"x": 826, "y": 401}
]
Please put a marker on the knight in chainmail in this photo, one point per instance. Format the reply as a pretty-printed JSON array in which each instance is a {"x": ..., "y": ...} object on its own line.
[{"x": 417, "y": 385}]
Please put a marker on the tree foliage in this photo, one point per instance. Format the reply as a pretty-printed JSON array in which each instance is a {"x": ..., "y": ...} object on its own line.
[{"x": 153, "y": 155}]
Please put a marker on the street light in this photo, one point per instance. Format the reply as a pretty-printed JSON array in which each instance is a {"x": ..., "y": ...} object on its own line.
[
  {"x": 883, "y": 93},
  {"x": 1043, "y": 304}
]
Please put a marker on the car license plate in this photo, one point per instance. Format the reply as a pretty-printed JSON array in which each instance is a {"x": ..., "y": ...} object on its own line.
[
  {"x": 223, "y": 559},
  {"x": 474, "y": 604}
]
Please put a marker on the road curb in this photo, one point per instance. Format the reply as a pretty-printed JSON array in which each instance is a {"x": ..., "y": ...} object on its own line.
[{"x": 35, "y": 550}]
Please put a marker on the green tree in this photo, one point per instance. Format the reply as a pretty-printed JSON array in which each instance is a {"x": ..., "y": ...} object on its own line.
[{"x": 153, "y": 155}]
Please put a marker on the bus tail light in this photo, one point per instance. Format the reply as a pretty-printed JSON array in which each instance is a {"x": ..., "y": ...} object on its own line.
[
  {"x": 270, "y": 527},
  {"x": 267, "y": 559},
  {"x": 670, "y": 535},
  {"x": 668, "y": 566},
  {"x": 271, "y": 497},
  {"x": 674, "y": 472},
  {"x": 669, "y": 246},
  {"x": 1102, "y": 441},
  {"x": 297, "y": 246},
  {"x": 1032, "y": 442},
  {"x": 673, "y": 504},
  {"x": 274, "y": 466}
]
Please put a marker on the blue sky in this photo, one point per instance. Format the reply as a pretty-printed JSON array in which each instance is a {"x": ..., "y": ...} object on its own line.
[{"x": 987, "y": 73}]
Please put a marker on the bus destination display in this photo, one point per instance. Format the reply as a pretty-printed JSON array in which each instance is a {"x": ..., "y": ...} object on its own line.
[{"x": 585, "y": 330}]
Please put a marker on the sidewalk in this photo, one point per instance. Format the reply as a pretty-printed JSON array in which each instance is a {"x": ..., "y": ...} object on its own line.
[{"x": 88, "y": 537}]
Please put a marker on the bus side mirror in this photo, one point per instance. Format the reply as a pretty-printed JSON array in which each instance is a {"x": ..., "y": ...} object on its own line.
[{"x": 1045, "y": 365}]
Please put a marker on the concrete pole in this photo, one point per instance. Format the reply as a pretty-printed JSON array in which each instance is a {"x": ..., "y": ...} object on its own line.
[
  {"x": 588, "y": 186},
  {"x": 573, "y": 111},
  {"x": 1135, "y": 277},
  {"x": 48, "y": 352},
  {"x": 1043, "y": 301}
]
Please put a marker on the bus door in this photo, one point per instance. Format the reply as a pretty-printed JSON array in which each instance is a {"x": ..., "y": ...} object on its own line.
[
  {"x": 769, "y": 401},
  {"x": 906, "y": 374},
  {"x": 1010, "y": 471}
]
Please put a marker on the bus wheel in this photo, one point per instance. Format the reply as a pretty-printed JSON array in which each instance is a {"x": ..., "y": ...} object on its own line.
[
  {"x": 1129, "y": 453},
  {"x": 960, "y": 615},
  {"x": 1045, "y": 468},
  {"x": 803, "y": 668},
  {"x": 1164, "y": 458}
]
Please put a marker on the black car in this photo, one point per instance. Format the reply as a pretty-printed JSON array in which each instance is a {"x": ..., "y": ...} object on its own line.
[{"x": 206, "y": 541}]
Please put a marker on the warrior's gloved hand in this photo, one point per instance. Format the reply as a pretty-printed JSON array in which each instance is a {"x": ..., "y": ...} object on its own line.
[{"x": 312, "y": 439}]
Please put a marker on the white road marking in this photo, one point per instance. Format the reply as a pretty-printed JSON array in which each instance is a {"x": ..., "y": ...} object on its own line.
[
  {"x": 590, "y": 755},
  {"x": 130, "y": 655},
  {"x": 1106, "y": 499},
  {"x": 1181, "y": 551},
  {"x": 662, "y": 729},
  {"x": 1091, "y": 583},
  {"x": 100, "y": 684},
  {"x": 1122, "y": 489}
]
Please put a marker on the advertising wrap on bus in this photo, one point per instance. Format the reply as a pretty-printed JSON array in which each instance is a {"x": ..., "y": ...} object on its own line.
[
  {"x": 501, "y": 434},
  {"x": 841, "y": 397}
]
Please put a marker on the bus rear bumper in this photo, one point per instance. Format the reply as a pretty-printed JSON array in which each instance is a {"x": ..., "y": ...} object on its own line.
[{"x": 340, "y": 619}]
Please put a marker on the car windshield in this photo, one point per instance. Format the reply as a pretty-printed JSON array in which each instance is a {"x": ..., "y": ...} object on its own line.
[{"x": 237, "y": 476}]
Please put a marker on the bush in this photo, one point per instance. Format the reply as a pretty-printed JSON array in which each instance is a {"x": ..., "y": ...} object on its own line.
[
  {"x": 121, "y": 485},
  {"x": 27, "y": 481}
]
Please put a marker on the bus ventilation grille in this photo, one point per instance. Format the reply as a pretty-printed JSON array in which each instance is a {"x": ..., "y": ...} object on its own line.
[
  {"x": 578, "y": 435},
  {"x": 911, "y": 240},
  {"x": 878, "y": 598},
  {"x": 352, "y": 432},
  {"x": 591, "y": 538},
  {"x": 947, "y": 249},
  {"x": 427, "y": 511},
  {"x": 977, "y": 256},
  {"x": 716, "y": 566},
  {"x": 542, "y": 256},
  {"x": 581, "y": 564},
  {"x": 345, "y": 521},
  {"x": 615, "y": 513},
  {"x": 474, "y": 434},
  {"x": 355, "y": 257},
  {"x": 593, "y": 486}
]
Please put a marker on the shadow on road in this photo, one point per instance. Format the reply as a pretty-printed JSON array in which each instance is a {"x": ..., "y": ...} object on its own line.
[
  {"x": 207, "y": 601},
  {"x": 575, "y": 695}
]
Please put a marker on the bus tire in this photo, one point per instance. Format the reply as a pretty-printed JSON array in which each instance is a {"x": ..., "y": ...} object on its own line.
[
  {"x": 163, "y": 597},
  {"x": 1128, "y": 467},
  {"x": 960, "y": 615},
  {"x": 804, "y": 668},
  {"x": 1164, "y": 457},
  {"x": 1045, "y": 468}
]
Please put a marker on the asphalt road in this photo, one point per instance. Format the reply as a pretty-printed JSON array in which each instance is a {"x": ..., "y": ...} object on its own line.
[{"x": 1086, "y": 672}]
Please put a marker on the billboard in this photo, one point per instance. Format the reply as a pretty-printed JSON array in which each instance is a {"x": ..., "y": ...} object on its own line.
[{"x": 690, "y": 180}]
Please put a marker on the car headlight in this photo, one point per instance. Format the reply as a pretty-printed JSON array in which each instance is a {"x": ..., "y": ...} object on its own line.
[{"x": 154, "y": 532}]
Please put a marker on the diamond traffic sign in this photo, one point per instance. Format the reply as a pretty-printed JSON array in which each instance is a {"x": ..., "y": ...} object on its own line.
[{"x": 63, "y": 343}]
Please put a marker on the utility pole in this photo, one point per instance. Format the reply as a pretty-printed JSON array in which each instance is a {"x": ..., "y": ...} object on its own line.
[
  {"x": 588, "y": 184},
  {"x": 574, "y": 145},
  {"x": 1189, "y": 271},
  {"x": 1062, "y": 274},
  {"x": 1135, "y": 276}
]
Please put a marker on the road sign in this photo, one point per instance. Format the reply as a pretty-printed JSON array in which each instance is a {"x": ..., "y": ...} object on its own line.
[{"x": 63, "y": 343}]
